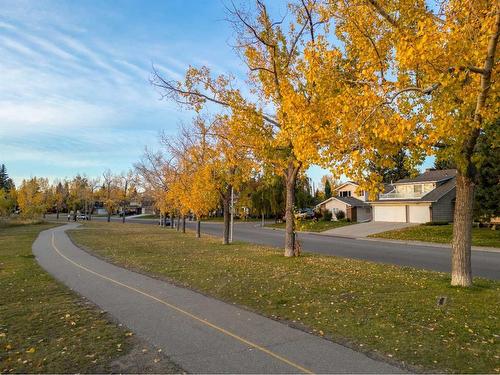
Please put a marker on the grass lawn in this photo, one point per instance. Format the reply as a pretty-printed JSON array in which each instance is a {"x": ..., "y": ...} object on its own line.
[
  {"x": 313, "y": 226},
  {"x": 386, "y": 310},
  {"x": 43, "y": 326},
  {"x": 236, "y": 219},
  {"x": 442, "y": 234}
]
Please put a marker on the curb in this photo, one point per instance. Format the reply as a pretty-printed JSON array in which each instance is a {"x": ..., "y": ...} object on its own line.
[
  {"x": 430, "y": 244},
  {"x": 403, "y": 242}
]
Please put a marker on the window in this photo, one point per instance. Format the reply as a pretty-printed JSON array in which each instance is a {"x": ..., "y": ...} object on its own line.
[{"x": 344, "y": 193}]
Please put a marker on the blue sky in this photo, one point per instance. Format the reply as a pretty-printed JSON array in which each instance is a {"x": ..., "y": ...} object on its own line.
[{"x": 74, "y": 89}]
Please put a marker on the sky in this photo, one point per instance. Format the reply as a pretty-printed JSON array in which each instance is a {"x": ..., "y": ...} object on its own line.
[{"x": 75, "y": 95}]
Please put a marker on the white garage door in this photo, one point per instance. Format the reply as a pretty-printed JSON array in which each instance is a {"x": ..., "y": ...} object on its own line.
[
  {"x": 389, "y": 213},
  {"x": 419, "y": 214}
]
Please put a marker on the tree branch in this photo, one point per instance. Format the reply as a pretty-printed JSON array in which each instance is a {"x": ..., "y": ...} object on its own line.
[{"x": 383, "y": 13}]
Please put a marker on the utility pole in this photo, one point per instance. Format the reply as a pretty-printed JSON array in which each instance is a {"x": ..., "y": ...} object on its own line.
[
  {"x": 231, "y": 222},
  {"x": 262, "y": 203}
]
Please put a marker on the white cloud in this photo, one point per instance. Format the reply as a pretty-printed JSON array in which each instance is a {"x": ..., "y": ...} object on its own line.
[
  {"x": 36, "y": 116},
  {"x": 50, "y": 47},
  {"x": 5, "y": 25}
]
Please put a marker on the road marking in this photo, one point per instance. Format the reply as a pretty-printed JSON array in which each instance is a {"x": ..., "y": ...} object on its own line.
[{"x": 204, "y": 321}]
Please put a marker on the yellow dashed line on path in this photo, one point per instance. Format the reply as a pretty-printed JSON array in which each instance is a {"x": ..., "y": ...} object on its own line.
[{"x": 178, "y": 309}]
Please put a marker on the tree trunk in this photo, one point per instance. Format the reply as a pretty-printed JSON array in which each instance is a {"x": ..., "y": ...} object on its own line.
[
  {"x": 178, "y": 222},
  {"x": 172, "y": 220},
  {"x": 461, "y": 270},
  {"x": 226, "y": 203},
  {"x": 57, "y": 214},
  {"x": 198, "y": 228},
  {"x": 183, "y": 223},
  {"x": 123, "y": 215},
  {"x": 291, "y": 178},
  {"x": 109, "y": 216}
]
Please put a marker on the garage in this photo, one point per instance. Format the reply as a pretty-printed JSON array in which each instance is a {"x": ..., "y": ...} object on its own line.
[
  {"x": 419, "y": 214},
  {"x": 389, "y": 213}
]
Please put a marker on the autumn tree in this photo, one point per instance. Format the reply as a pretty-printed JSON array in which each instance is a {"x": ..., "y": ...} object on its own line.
[
  {"x": 61, "y": 193},
  {"x": 77, "y": 193},
  {"x": 154, "y": 171},
  {"x": 125, "y": 189},
  {"x": 8, "y": 201},
  {"x": 271, "y": 51},
  {"x": 30, "y": 197},
  {"x": 109, "y": 193},
  {"x": 195, "y": 187},
  {"x": 227, "y": 156},
  {"x": 430, "y": 66}
]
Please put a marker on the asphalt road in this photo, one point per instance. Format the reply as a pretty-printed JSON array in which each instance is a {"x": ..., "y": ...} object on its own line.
[
  {"x": 485, "y": 264},
  {"x": 200, "y": 334}
]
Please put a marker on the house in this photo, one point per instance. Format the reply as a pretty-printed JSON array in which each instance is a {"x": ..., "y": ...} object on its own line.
[
  {"x": 348, "y": 198},
  {"x": 428, "y": 197}
]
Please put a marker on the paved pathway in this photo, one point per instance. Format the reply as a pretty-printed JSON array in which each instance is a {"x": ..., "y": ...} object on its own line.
[
  {"x": 366, "y": 229},
  {"x": 199, "y": 333}
]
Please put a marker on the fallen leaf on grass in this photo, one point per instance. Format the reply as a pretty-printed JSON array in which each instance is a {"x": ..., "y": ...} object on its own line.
[{"x": 31, "y": 350}]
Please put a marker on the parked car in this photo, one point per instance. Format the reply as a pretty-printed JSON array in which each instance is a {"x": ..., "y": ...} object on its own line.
[
  {"x": 82, "y": 217},
  {"x": 166, "y": 222},
  {"x": 304, "y": 213}
]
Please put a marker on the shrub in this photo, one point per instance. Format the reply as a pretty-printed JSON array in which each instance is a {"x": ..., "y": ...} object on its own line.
[
  {"x": 327, "y": 216},
  {"x": 432, "y": 223},
  {"x": 340, "y": 215}
]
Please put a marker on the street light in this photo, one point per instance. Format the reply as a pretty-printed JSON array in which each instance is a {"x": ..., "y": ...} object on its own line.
[{"x": 232, "y": 217}]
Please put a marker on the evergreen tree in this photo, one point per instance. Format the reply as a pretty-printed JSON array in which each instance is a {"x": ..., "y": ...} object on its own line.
[
  {"x": 444, "y": 163},
  {"x": 6, "y": 183},
  {"x": 401, "y": 169},
  {"x": 487, "y": 163},
  {"x": 328, "y": 189}
]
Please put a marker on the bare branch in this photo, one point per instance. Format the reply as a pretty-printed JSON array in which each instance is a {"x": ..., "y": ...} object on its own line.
[{"x": 383, "y": 13}]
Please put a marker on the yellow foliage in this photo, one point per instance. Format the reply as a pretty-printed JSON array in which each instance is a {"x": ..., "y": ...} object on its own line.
[{"x": 31, "y": 198}]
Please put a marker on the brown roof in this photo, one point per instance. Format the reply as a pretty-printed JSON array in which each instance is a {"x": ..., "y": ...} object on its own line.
[
  {"x": 431, "y": 175},
  {"x": 351, "y": 201}
]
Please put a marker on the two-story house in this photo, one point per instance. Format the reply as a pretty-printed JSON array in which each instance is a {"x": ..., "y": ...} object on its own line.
[
  {"x": 350, "y": 199},
  {"x": 425, "y": 198}
]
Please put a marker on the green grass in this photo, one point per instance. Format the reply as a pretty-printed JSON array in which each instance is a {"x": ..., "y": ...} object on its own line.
[
  {"x": 313, "y": 226},
  {"x": 442, "y": 234},
  {"x": 43, "y": 326},
  {"x": 236, "y": 219},
  {"x": 382, "y": 309}
]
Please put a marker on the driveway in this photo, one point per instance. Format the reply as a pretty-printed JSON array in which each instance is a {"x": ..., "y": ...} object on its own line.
[
  {"x": 199, "y": 333},
  {"x": 365, "y": 229}
]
